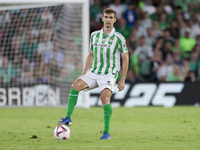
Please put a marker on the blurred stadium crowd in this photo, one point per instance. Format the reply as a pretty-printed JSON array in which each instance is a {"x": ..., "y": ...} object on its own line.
[
  {"x": 163, "y": 37},
  {"x": 44, "y": 45},
  {"x": 35, "y": 46}
]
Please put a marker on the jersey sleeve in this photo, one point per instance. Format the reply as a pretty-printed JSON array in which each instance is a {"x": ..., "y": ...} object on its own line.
[
  {"x": 123, "y": 47},
  {"x": 91, "y": 42}
]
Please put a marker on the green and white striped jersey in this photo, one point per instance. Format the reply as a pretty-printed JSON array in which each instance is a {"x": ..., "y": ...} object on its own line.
[{"x": 106, "y": 51}]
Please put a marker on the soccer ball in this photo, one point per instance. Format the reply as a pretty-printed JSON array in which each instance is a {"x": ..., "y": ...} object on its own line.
[{"x": 62, "y": 132}]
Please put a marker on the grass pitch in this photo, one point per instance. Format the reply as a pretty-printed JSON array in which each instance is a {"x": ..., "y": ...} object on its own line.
[{"x": 153, "y": 128}]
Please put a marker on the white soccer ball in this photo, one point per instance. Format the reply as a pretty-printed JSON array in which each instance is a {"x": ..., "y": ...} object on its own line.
[{"x": 62, "y": 132}]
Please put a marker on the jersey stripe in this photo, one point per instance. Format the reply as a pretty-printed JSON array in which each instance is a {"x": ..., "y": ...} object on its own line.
[
  {"x": 101, "y": 60},
  {"x": 95, "y": 53},
  {"x": 98, "y": 54},
  {"x": 91, "y": 43},
  {"x": 115, "y": 49},
  {"x": 105, "y": 55},
  {"x": 108, "y": 54}
]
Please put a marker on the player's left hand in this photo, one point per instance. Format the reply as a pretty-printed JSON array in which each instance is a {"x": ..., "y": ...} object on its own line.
[{"x": 121, "y": 85}]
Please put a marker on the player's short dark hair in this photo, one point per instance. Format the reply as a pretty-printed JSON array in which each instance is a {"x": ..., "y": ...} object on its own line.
[{"x": 110, "y": 10}]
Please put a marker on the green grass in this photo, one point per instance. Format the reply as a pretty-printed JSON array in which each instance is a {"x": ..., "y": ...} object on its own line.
[{"x": 154, "y": 128}]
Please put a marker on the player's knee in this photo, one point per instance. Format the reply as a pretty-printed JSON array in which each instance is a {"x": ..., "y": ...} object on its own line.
[
  {"x": 105, "y": 99},
  {"x": 75, "y": 86}
]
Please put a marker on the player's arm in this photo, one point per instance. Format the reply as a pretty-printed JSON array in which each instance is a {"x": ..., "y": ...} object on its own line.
[
  {"x": 88, "y": 62},
  {"x": 125, "y": 61},
  {"x": 89, "y": 58}
]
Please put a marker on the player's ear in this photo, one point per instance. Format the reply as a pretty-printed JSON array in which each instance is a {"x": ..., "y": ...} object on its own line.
[{"x": 115, "y": 20}]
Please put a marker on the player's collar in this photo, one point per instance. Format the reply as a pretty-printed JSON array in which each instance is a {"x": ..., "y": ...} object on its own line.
[{"x": 110, "y": 34}]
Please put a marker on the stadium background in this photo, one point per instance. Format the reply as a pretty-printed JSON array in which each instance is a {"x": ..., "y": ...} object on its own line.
[{"x": 42, "y": 46}]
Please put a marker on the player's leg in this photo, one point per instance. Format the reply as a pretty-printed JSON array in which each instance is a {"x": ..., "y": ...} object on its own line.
[
  {"x": 76, "y": 87},
  {"x": 107, "y": 85},
  {"x": 107, "y": 112}
]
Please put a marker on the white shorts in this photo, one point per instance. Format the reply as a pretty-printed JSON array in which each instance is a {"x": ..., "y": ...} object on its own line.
[{"x": 98, "y": 80}]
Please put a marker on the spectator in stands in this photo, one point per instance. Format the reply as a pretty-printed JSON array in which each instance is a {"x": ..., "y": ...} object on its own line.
[
  {"x": 166, "y": 69},
  {"x": 198, "y": 40},
  {"x": 196, "y": 19},
  {"x": 159, "y": 11},
  {"x": 194, "y": 61},
  {"x": 26, "y": 65},
  {"x": 134, "y": 62},
  {"x": 29, "y": 47},
  {"x": 95, "y": 10},
  {"x": 130, "y": 16},
  {"x": 38, "y": 20},
  {"x": 131, "y": 76},
  {"x": 146, "y": 22},
  {"x": 163, "y": 24},
  {"x": 7, "y": 71},
  {"x": 188, "y": 15},
  {"x": 47, "y": 15},
  {"x": 155, "y": 29},
  {"x": 123, "y": 28},
  {"x": 17, "y": 65},
  {"x": 145, "y": 55},
  {"x": 174, "y": 30},
  {"x": 150, "y": 40},
  {"x": 187, "y": 42},
  {"x": 167, "y": 49},
  {"x": 69, "y": 64},
  {"x": 117, "y": 6},
  {"x": 195, "y": 29},
  {"x": 177, "y": 58},
  {"x": 190, "y": 76},
  {"x": 44, "y": 45},
  {"x": 4, "y": 17},
  {"x": 173, "y": 16},
  {"x": 197, "y": 50},
  {"x": 54, "y": 70},
  {"x": 157, "y": 62},
  {"x": 176, "y": 75},
  {"x": 76, "y": 37},
  {"x": 56, "y": 54},
  {"x": 140, "y": 31},
  {"x": 185, "y": 68},
  {"x": 27, "y": 74},
  {"x": 184, "y": 6},
  {"x": 132, "y": 41},
  {"x": 64, "y": 76},
  {"x": 44, "y": 75},
  {"x": 181, "y": 23},
  {"x": 167, "y": 37},
  {"x": 139, "y": 12},
  {"x": 15, "y": 51}
]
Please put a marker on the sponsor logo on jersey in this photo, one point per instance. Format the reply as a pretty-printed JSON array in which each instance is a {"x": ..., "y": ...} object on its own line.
[{"x": 102, "y": 45}]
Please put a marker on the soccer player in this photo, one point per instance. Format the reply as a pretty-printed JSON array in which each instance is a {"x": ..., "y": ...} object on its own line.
[{"x": 101, "y": 69}]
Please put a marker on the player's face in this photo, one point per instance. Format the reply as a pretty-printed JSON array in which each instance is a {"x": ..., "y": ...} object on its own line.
[{"x": 108, "y": 20}]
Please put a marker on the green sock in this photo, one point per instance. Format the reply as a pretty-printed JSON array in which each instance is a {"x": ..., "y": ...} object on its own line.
[
  {"x": 72, "y": 100},
  {"x": 107, "y": 112}
]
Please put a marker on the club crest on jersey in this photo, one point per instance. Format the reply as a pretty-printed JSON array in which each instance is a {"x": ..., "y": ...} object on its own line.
[
  {"x": 96, "y": 39},
  {"x": 110, "y": 40},
  {"x": 102, "y": 45}
]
